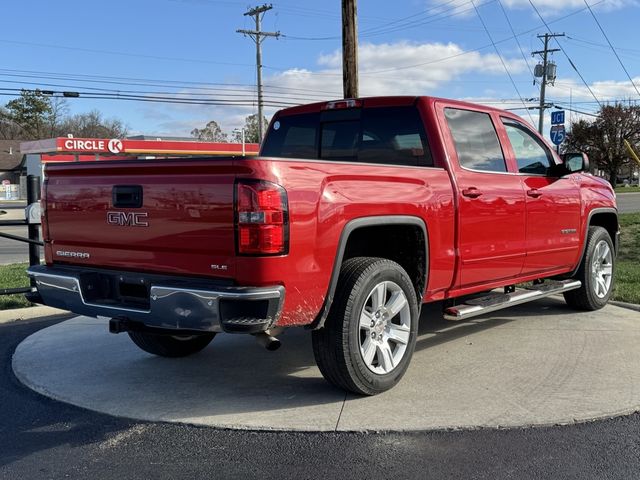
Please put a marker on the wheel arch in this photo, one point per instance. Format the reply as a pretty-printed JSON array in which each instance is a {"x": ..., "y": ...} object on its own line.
[
  {"x": 600, "y": 217},
  {"x": 386, "y": 227}
]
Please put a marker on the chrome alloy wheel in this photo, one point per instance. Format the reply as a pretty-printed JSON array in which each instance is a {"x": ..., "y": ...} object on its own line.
[
  {"x": 385, "y": 326},
  {"x": 602, "y": 269}
]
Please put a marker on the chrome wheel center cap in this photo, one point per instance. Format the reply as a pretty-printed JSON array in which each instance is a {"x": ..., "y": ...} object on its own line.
[{"x": 380, "y": 322}]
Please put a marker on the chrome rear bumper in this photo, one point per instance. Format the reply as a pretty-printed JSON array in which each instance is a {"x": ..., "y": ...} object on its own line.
[{"x": 180, "y": 307}]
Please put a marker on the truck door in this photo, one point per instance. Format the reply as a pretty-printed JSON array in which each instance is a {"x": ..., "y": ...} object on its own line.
[
  {"x": 553, "y": 203},
  {"x": 491, "y": 201}
]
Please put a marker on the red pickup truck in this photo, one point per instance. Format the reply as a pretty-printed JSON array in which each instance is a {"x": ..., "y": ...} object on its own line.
[{"x": 354, "y": 214}]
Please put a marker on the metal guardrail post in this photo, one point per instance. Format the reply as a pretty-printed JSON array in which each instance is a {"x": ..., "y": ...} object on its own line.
[{"x": 33, "y": 195}]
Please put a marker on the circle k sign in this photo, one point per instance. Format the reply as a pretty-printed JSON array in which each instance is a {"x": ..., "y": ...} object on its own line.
[{"x": 115, "y": 145}]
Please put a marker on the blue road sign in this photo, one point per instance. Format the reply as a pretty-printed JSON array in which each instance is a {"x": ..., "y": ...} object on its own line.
[
  {"x": 557, "y": 117},
  {"x": 557, "y": 134}
]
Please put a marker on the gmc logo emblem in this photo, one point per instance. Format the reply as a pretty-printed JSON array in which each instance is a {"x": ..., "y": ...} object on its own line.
[{"x": 128, "y": 219}]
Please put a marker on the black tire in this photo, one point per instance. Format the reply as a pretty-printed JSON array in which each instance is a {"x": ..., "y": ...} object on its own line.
[
  {"x": 171, "y": 345},
  {"x": 337, "y": 346},
  {"x": 587, "y": 297}
]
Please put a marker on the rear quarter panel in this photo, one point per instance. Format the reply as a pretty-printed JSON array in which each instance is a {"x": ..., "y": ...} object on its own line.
[{"x": 323, "y": 198}]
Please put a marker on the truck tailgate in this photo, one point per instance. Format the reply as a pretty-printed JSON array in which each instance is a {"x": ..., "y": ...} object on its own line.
[{"x": 183, "y": 223}]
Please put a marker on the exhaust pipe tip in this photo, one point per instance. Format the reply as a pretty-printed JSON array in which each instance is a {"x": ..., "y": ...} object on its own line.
[
  {"x": 119, "y": 325},
  {"x": 267, "y": 341},
  {"x": 273, "y": 345}
]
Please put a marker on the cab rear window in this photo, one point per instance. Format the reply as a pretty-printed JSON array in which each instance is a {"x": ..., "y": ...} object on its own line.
[{"x": 384, "y": 135}]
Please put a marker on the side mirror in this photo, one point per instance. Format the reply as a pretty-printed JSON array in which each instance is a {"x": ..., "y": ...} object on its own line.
[{"x": 576, "y": 162}]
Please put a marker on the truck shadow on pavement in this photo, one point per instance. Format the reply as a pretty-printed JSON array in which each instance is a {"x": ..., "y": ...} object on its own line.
[{"x": 435, "y": 330}]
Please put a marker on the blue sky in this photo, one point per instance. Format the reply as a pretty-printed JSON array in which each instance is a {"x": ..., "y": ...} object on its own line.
[{"x": 189, "y": 49}]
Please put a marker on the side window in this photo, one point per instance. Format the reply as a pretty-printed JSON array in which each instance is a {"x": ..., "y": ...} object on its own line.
[
  {"x": 532, "y": 156},
  {"x": 476, "y": 140},
  {"x": 292, "y": 136}
]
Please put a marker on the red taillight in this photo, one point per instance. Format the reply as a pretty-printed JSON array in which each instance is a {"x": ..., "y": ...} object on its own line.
[{"x": 262, "y": 222}]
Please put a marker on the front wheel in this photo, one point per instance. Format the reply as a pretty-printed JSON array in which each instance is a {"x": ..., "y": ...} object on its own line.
[
  {"x": 368, "y": 339},
  {"x": 171, "y": 345},
  {"x": 596, "y": 272}
]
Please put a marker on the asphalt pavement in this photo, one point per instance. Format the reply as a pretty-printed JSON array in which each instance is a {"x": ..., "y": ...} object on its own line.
[
  {"x": 628, "y": 202},
  {"x": 41, "y": 438},
  {"x": 12, "y": 251}
]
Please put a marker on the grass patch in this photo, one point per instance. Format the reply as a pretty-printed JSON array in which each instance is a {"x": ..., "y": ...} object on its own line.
[
  {"x": 627, "y": 281},
  {"x": 630, "y": 189},
  {"x": 13, "y": 276}
]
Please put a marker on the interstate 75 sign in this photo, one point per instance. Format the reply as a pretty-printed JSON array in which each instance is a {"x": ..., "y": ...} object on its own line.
[{"x": 557, "y": 134}]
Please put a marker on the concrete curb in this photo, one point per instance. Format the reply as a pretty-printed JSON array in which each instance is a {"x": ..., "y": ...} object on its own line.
[
  {"x": 630, "y": 306},
  {"x": 28, "y": 313}
]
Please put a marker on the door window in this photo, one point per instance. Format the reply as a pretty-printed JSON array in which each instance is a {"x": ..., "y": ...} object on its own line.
[
  {"x": 531, "y": 154},
  {"x": 476, "y": 141}
]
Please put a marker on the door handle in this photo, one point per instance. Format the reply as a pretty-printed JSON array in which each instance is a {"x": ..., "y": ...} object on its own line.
[
  {"x": 471, "y": 192},
  {"x": 534, "y": 192}
]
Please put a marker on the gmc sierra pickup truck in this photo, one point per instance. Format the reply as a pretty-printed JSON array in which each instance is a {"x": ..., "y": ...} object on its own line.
[{"x": 355, "y": 213}]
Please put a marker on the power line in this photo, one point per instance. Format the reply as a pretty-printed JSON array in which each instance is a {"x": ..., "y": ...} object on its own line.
[
  {"x": 153, "y": 98},
  {"x": 385, "y": 29},
  {"x": 612, "y": 49},
  {"x": 247, "y": 95},
  {"x": 146, "y": 82},
  {"x": 565, "y": 53},
  {"x": 526, "y": 61},
  {"x": 501, "y": 60},
  {"x": 370, "y": 30},
  {"x": 596, "y": 44},
  {"x": 124, "y": 54},
  {"x": 466, "y": 52}
]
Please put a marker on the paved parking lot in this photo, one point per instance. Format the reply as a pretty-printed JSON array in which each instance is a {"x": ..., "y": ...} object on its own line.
[{"x": 42, "y": 438}]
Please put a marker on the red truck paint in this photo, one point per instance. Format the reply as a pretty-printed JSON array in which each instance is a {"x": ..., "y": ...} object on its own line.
[{"x": 506, "y": 235}]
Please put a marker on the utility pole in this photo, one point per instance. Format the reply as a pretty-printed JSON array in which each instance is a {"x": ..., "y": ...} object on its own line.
[
  {"x": 548, "y": 74},
  {"x": 258, "y": 36},
  {"x": 349, "y": 49}
]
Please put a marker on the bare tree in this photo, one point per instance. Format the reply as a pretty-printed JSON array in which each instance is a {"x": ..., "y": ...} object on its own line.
[
  {"x": 59, "y": 110},
  {"x": 92, "y": 124},
  {"x": 603, "y": 138}
]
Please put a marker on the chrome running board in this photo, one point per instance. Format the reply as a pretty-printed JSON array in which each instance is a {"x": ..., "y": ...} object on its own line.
[{"x": 498, "y": 301}]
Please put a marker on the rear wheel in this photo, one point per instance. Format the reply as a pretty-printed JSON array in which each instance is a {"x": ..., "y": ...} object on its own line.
[
  {"x": 595, "y": 272},
  {"x": 171, "y": 345},
  {"x": 368, "y": 339}
]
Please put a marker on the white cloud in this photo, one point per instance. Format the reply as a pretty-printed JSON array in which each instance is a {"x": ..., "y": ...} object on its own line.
[
  {"x": 604, "y": 90},
  {"x": 382, "y": 72},
  {"x": 383, "y": 69}
]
